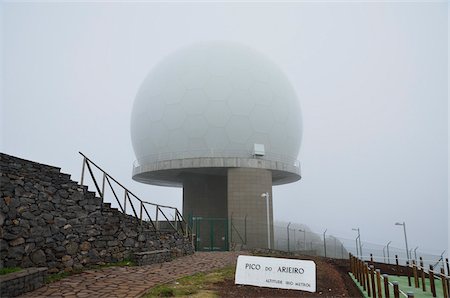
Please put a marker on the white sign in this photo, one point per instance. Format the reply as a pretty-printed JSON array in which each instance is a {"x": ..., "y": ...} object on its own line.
[{"x": 276, "y": 273}]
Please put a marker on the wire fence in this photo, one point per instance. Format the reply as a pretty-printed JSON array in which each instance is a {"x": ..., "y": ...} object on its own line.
[{"x": 295, "y": 237}]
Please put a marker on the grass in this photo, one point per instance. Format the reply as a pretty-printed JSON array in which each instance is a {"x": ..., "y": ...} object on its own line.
[
  {"x": 7, "y": 270},
  {"x": 60, "y": 275},
  {"x": 196, "y": 285},
  {"x": 403, "y": 286}
]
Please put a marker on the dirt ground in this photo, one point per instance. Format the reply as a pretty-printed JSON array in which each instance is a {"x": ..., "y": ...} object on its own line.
[{"x": 332, "y": 281}]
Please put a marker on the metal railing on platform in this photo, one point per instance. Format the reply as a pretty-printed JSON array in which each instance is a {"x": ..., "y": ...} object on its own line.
[{"x": 177, "y": 223}]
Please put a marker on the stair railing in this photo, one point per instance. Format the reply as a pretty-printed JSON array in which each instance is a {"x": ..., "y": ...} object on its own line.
[{"x": 178, "y": 223}]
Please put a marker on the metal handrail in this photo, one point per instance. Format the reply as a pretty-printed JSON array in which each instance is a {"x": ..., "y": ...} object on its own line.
[{"x": 127, "y": 193}]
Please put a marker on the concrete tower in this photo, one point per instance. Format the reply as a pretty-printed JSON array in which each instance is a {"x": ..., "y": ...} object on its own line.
[{"x": 222, "y": 121}]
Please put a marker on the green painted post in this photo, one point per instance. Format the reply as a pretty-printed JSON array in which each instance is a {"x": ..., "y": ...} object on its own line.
[
  {"x": 396, "y": 290},
  {"x": 431, "y": 277},
  {"x": 386, "y": 285}
]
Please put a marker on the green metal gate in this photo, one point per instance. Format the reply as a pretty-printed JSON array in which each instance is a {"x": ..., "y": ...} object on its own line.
[{"x": 211, "y": 234}]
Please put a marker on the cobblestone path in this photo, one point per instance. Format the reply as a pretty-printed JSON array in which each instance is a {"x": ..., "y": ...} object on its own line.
[{"x": 133, "y": 281}]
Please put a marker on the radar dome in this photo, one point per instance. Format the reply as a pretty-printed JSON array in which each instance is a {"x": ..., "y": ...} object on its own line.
[{"x": 215, "y": 99}]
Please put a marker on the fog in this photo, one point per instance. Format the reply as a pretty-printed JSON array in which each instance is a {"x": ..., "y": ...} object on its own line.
[{"x": 372, "y": 80}]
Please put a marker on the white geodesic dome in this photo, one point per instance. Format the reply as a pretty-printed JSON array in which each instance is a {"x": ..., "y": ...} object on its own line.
[{"x": 215, "y": 99}]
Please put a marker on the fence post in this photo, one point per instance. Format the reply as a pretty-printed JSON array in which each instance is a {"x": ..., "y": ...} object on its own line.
[
  {"x": 363, "y": 275},
  {"x": 379, "y": 284},
  {"x": 396, "y": 291},
  {"x": 448, "y": 274},
  {"x": 431, "y": 277},
  {"x": 386, "y": 285},
  {"x": 396, "y": 265},
  {"x": 410, "y": 295},
  {"x": 156, "y": 217},
  {"x": 408, "y": 272},
  {"x": 372, "y": 279},
  {"x": 103, "y": 186},
  {"x": 140, "y": 212},
  {"x": 125, "y": 202},
  {"x": 416, "y": 278},
  {"x": 444, "y": 283},
  {"x": 422, "y": 274},
  {"x": 366, "y": 274},
  {"x": 82, "y": 171}
]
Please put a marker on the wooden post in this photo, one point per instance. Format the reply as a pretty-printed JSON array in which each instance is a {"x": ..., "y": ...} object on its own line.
[
  {"x": 422, "y": 270},
  {"x": 386, "y": 285},
  {"x": 396, "y": 291},
  {"x": 363, "y": 276},
  {"x": 444, "y": 283},
  {"x": 396, "y": 265},
  {"x": 408, "y": 271},
  {"x": 416, "y": 279},
  {"x": 379, "y": 284},
  {"x": 372, "y": 279},
  {"x": 358, "y": 269},
  {"x": 431, "y": 277},
  {"x": 448, "y": 274},
  {"x": 366, "y": 273},
  {"x": 410, "y": 295}
]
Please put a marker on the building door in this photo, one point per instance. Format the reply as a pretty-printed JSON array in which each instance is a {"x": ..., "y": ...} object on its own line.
[{"x": 211, "y": 234}]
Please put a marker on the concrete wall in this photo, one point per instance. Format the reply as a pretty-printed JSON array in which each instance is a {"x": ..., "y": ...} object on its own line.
[
  {"x": 47, "y": 219},
  {"x": 245, "y": 186}
]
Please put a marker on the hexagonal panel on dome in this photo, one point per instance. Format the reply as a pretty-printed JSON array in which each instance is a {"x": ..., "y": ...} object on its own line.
[
  {"x": 174, "y": 116},
  {"x": 262, "y": 92},
  {"x": 241, "y": 102},
  {"x": 217, "y": 138},
  {"x": 261, "y": 119},
  {"x": 195, "y": 126},
  {"x": 174, "y": 94},
  {"x": 194, "y": 77},
  {"x": 217, "y": 113},
  {"x": 194, "y": 102},
  {"x": 177, "y": 142},
  {"x": 238, "y": 129},
  {"x": 217, "y": 88}
]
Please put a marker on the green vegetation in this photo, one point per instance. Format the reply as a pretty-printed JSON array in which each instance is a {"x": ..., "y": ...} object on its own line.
[
  {"x": 7, "y": 270},
  {"x": 403, "y": 286},
  {"x": 196, "y": 285}
]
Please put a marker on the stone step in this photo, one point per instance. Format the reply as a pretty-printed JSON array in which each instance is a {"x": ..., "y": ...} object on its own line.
[{"x": 152, "y": 257}]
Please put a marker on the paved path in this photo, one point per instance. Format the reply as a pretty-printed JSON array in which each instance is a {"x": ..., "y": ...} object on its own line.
[{"x": 133, "y": 281}]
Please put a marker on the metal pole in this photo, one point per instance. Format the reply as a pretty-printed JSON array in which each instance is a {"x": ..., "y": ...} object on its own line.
[
  {"x": 288, "y": 237},
  {"x": 415, "y": 254},
  {"x": 384, "y": 254},
  {"x": 103, "y": 186},
  {"x": 268, "y": 220},
  {"x": 125, "y": 202},
  {"x": 82, "y": 170},
  {"x": 325, "y": 243},
  {"x": 388, "y": 251},
  {"x": 406, "y": 241}
]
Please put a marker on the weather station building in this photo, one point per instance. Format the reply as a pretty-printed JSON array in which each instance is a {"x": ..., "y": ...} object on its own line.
[{"x": 223, "y": 122}]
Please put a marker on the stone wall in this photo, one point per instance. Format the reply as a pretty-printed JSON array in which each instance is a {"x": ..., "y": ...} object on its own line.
[{"x": 47, "y": 219}]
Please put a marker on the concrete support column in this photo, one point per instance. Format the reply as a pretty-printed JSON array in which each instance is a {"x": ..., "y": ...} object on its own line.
[
  {"x": 245, "y": 186},
  {"x": 205, "y": 196}
]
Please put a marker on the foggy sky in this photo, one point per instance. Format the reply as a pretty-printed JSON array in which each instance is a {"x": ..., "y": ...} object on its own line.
[{"x": 372, "y": 81}]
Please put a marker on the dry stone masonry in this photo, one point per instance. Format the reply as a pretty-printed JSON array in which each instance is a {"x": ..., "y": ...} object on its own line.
[{"x": 48, "y": 220}]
